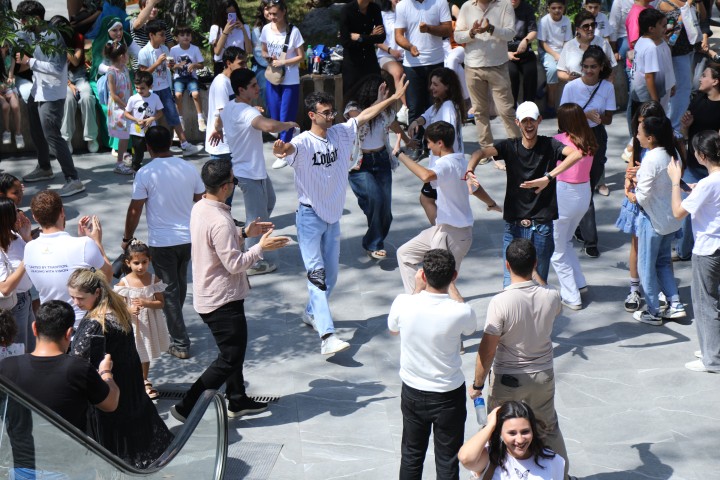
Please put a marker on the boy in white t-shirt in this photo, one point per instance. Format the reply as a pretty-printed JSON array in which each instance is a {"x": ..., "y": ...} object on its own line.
[
  {"x": 187, "y": 61},
  {"x": 554, "y": 30},
  {"x": 453, "y": 225},
  {"x": 603, "y": 28},
  {"x": 143, "y": 110},
  {"x": 653, "y": 77}
]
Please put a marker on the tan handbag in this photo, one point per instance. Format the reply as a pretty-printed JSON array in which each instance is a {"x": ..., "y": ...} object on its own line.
[{"x": 275, "y": 75}]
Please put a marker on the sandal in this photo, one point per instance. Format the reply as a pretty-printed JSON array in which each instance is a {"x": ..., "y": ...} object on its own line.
[
  {"x": 603, "y": 190},
  {"x": 150, "y": 390},
  {"x": 377, "y": 254}
]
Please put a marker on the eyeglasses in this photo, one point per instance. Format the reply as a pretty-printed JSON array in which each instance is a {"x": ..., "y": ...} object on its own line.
[
  {"x": 591, "y": 67},
  {"x": 589, "y": 26},
  {"x": 234, "y": 181},
  {"x": 329, "y": 114}
]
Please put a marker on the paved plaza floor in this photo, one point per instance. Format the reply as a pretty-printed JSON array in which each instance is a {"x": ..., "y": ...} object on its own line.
[{"x": 628, "y": 408}]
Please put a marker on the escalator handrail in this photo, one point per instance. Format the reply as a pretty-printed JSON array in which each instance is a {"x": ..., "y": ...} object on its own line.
[{"x": 167, "y": 456}]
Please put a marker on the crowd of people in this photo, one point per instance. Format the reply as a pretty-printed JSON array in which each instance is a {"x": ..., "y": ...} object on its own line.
[{"x": 431, "y": 65}]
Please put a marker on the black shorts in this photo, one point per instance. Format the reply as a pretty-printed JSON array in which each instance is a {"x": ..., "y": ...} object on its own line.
[{"x": 428, "y": 191}]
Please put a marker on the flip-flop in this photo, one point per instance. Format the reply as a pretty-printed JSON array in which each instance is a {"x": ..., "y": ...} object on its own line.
[
  {"x": 150, "y": 390},
  {"x": 377, "y": 254}
]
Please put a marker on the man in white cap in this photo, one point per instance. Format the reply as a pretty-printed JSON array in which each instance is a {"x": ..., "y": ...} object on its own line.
[{"x": 530, "y": 201}]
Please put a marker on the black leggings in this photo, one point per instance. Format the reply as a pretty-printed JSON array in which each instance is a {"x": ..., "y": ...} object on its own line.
[{"x": 527, "y": 67}]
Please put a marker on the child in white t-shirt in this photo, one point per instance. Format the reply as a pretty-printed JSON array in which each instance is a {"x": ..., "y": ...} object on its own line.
[
  {"x": 603, "y": 28},
  {"x": 186, "y": 60},
  {"x": 554, "y": 30},
  {"x": 143, "y": 109},
  {"x": 653, "y": 77},
  {"x": 8, "y": 331}
]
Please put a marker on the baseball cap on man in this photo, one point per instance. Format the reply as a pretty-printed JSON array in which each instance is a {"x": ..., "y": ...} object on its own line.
[{"x": 527, "y": 110}]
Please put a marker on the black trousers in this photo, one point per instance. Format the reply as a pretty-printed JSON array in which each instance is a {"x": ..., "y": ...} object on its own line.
[
  {"x": 587, "y": 226},
  {"x": 527, "y": 68}
]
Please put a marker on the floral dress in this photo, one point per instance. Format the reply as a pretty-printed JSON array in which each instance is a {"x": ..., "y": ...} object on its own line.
[{"x": 116, "y": 122}]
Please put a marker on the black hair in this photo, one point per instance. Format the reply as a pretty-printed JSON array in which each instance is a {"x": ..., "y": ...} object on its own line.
[
  {"x": 241, "y": 78},
  {"x": 449, "y": 78},
  {"x": 6, "y": 182},
  {"x": 30, "y": 8},
  {"x": 550, "y": 2},
  {"x": 158, "y": 138},
  {"x": 596, "y": 53},
  {"x": 231, "y": 54},
  {"x": 8, "y": 217},
  {"x": 182, "y": 30},
  {"x": 439, "y": 267},
  {"x": 315, "y": 98},
  {"x": 143, "y": 77},
  {"x": 582, "y": 16},
  {"x": 661, "y": 130},
  {"x": 53, "y": 319},
  {"x": 714, "y": 73},
  {"x": 521, "y": 256},
  {"x": 260, "y": 20},
  {"x": 215, "y": 173},
  {"x": 649, "y": 18},
  {"x": 365, "y": 91},
  {"x": 155, "y": 26},
  {"x": 135, "y": 246},
  {"x": 221, "y": 15},
  {"x": 593, "y": 1},
  {"x": 113, "y": 50},
  {"x": 508, "y": 411},
  {"x": 707, "y": 143},
  {"x": 647, "y": 109},
  {"x": 8, "y": 328},
  {"x": 386, "y": 5},
  {"x": 441, "y": 130}
]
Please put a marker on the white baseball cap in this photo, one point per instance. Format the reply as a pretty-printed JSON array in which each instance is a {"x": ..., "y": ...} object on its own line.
[{"x": 527, "y": 110}]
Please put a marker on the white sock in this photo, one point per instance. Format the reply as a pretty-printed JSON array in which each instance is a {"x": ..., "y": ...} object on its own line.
[
  {"x": 184, "y": 144},
  {"x": 181, "y": 119},
  {"x": 200, "y": 116}
]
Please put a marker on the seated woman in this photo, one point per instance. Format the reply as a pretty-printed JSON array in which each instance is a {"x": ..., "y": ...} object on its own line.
[
  {"x": 509, "y": 446},
  {"x": 134, "y": 431}
]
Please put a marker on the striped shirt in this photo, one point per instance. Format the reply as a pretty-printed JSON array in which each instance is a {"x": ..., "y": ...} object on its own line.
[{"x": 321, "y": 169}]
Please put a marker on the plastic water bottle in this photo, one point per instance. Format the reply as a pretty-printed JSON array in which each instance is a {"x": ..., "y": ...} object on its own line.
[
  {"x": 309, "y": 58},
  {"x": 673, "y": 38},
  {"x": 480, "y": 411}
]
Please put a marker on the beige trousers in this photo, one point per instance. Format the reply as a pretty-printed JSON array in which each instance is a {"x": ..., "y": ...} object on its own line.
[{"x": 483, "y": 82}]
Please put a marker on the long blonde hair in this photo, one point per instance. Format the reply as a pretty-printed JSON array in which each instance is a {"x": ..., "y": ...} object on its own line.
[{"x": 90, "y": 281}]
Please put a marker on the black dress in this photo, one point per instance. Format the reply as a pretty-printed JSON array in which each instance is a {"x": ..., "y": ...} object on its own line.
[{"x": 134, "y": 432}]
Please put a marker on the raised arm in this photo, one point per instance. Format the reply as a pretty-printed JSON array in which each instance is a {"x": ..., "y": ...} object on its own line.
[{"x": 374, "y": 110}]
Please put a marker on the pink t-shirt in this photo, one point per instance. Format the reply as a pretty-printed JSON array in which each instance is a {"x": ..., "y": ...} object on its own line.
[
  {"x": 633, "y": 27},
  {"x": 578, "y": 173}
]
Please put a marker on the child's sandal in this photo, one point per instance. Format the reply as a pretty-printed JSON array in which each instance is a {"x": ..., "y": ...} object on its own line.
[{"x": 150, "y": 390}]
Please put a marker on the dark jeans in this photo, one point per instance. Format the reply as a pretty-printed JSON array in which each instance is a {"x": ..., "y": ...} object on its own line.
[
  {"x": 372, "y": 185},
  {"x": 541, "y": 235},
  {"x": 139, "y": 150},
  {"x": 527, "y": 68},
  {"x": 587, "y": 226},
  {"x": 171, "y": 265},
  {"x": 444, "y": 413},
  {"x": 229, "y": 327},
  {"x": 417, "y": 95},
  {"x": 45, "y": 123}
]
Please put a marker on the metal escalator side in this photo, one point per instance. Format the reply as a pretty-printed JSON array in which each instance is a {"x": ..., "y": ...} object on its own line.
[{"x": 37, "y": 443}]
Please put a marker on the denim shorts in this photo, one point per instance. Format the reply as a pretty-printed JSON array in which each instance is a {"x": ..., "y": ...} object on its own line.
[
  {"x": 169, "y": 109},
  {"x": 182, "y": 84}
]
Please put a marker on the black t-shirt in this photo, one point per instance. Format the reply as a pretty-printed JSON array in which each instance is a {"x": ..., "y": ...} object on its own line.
[
  {"x": 706, "y": 116},
  {"x": 522, "y": 165},
  {"x": 65, "y": 384}
]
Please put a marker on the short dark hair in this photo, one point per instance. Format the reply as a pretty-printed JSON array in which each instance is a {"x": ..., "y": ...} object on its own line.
[
  {"x": 143, "y": 77},
  {"x": 53, "y": 319},
  {"x": 521, "y": 256},
  {"x": 8, "y": 328},
  {"x": 113, "y": 50},
  {"x": 231, "y": 54},
  {"x": 649, "y": 18},
  {"x": 158, "y": 138},
  {"x": 439, "y": 267},
  {"x": 7, "y": 181},
  {"x": 241, "y": 78},
  {"x": 582, "y": 16},
  {"x": 155, "y": 26},
  {"x": 441, "y": 131},
  {"x": 593, "y": 1},
  {"x": 46, "y": 207},
  {"x": 182, "y": 30},
  {"x": 561, "y": 2},
  {"x": 30, "y": 8},
  {"x": 315, "y": 98},
  {"x": 215, "y": 173}
]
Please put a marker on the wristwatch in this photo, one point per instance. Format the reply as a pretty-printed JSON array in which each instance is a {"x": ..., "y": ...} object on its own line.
[
  {"x": 477, "y": 387},
  {"x": 242, "y": 232},
  {"x": 549, "y": 177}
]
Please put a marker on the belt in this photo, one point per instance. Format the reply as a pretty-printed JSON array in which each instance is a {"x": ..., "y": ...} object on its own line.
[{"x": 527, "y": 222}]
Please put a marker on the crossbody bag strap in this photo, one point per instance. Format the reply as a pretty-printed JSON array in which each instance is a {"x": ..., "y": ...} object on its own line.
[
  {"x": 286, "y": 45},
  {"x": 592, "y": 95},
  {"x": 489, "y": 472}
]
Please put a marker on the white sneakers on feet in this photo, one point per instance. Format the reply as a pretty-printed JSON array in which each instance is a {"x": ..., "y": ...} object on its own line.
[
  {"x": 333, "y": 344},
  {"x": 188, "y": 150},
  {"x": 6, "y": 138},
  {"x": 696, "y": 366},
  {"x": 93, "y": 146},
  {"x": 202, "y": 126},
  {"x": 72, "y": 187},
  {"x": 19, "y": 142}
]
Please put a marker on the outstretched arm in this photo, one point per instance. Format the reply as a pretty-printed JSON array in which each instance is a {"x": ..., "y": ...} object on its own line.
[{"x": 374, "y": 110}]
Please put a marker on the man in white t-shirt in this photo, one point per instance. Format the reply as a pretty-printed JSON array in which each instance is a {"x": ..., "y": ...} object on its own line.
[
  {"x": 243, "y": 125},
  {"x": 169, "y": 186},
  {"x": 453, "y": 226},
  {"x": 419, "y": 28},
  {"x": 321, "y": 158},
  {"x": 430, "y": 323},
  {"x": 55, "y": 255}
]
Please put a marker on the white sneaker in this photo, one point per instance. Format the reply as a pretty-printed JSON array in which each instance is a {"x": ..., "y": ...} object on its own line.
[
  {"x": 675, "y": 311},
  {"x": 279, "y": 163},
  {"x": 113, "y": 152},
  {"x": 7, "y": 138},
  {"x": 19, "y": 142},
  {"x": 175, "y": 136},
  {"x": 189, "y": 150},
  {"x": 261, "y": 267},
  {"x": 698, "y": 354},
  {"x": 72, "y": 187},
  {"x": 333, "y": 344},
  {"x": 201, "y": 124},
  {"x": 402, "y": 115},
  {"x": 93, "y": 146},
  {"x": 696, "y": 366}
]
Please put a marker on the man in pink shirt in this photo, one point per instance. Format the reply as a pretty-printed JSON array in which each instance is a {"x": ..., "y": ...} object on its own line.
[{"x": 220, "y": 286}]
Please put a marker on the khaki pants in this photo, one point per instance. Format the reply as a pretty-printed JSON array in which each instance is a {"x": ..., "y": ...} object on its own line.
[
  {"x": 496, "y": 80},
  {"x": 538, "y": 391},
  {"x": 410, "y": 255}
]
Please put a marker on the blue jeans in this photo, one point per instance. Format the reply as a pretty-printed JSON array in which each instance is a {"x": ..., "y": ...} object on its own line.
[
  {"x": 655, "y": 264},
  {"x": 259, "y": 199},
  {"x": 685, "y": 243},
  {"x": 372, "y": 185},
  {"x": 169, "y": 108},
  {"x": 682, "y": 66},
  {"x": 541, "y": 235},
  {"x": 706, "y": 305},
  {"x": 319, "y": 243},
  {"x": 282, "y": 105}
]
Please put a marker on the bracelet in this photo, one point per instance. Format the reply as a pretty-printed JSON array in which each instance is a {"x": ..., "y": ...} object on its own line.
[
  {"x": 675, "y": 184},
  {"x": 104, "y": 372},
  {"x": 242, "y": 232},
  {"x": 126, "y": 240},
  {"x": 479, "y": 388}
]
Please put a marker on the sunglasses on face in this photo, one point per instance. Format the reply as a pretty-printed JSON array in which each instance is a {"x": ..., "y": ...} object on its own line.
[{"x": 589, "y": 26}]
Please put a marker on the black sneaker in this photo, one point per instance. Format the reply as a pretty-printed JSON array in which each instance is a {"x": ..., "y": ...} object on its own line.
[
  {"x": 592, "y": 252},
  {"x": 578, "y": 236},
  {"x": 246, "y": 406}
]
